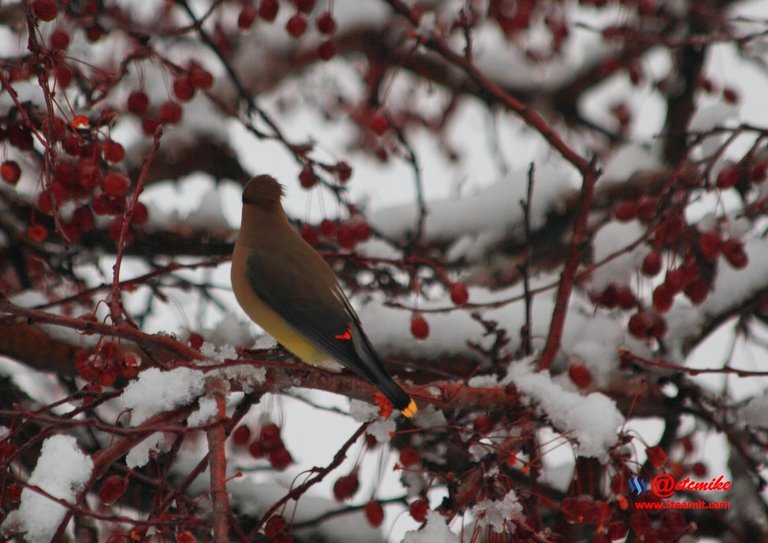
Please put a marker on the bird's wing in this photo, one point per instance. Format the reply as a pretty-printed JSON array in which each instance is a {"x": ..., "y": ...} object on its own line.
[{"x": 316, "y": 308}]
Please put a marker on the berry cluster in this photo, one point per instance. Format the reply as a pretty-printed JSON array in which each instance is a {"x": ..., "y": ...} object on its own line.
[{"x": 269, "y": 444}]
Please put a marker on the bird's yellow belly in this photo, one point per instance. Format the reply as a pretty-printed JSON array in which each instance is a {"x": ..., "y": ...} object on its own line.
[{"x": 271, "y": 322}]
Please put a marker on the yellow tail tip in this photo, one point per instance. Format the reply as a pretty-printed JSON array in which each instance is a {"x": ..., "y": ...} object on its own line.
[{"x": 410, "y": 411}]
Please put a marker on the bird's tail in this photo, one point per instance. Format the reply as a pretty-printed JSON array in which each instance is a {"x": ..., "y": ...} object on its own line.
[
  {"x": 373, "y": 370},
  {"x": 395, "y": 394}
]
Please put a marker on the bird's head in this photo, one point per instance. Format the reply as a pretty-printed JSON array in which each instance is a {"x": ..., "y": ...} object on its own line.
[{"x": 263, "y": 191}]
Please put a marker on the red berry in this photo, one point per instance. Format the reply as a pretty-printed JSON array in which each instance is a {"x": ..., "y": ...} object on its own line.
[
  {"x": 20, "y": 136},
  {"x": 113, "y": 151},
  {"x": 256, "y": 449},
  {"x": 270, "y": 437},
  {"x": 10, "y": 172},
  {"x": 280, "y": 458},
  {"x": 325, "y": 23},
  {"x": 345, "y": 487},
  {"x": 200, "y": 78},
  {"x": 699, "y": 469},
  {"x": 112, "y": 489},
  {"x": 379, "y": 124},
  {"x": 676, "y": 279},
  {"x": 482, "y": 424},
  {"x": 183, "y": 89},
  {"x": 640, "y": 325},
  {"x": 307, "y": 177},
  {"x": 37, "y": 232},
  {"x": 651, "y": 264},
  {"x": 419, "y": 509},
  {"x": 309, "y": 234},
  {"x": 327, "y": 228},
  {"x": 296, "y": 25},
  {"x": 138, "y": 103},
  {"x": 83, "y": 218},
  {"x": 580, "y": 375},
  {"x": 115, "y": 184},
  {"x": 709, "y": 245},
  {"x": 104, "y": 204},
  {"x": 45, "y": 10},
  {"x": 459, "y": 294},
  {"x": 759, "y": 172},
  {"x": 140, "y": 214},
  {"x": 617, "y": 529},
  {"x": 374, "y": 512},
  {"x": 345, "y": 236},
  {"x": 656, "y": 456},
  {"x": 419, "y": 327},
  {"x": 63, "y": 75},
  {"x": 241, "y": 436},
  {"x": 94, "y": 33},
  {"x": 663, "y": 296},
  {"x": 149, "y": 125},
  {"x": 608, "y": 298},
  {"x": 304, "y": 6},
  {"x": 599, "y": 537},
  {"x": 274, "y": 525},
  {"x": 170, "y": 112},
  {"x": 247, "y": 17},
  {"x": 115, "y": 230},
  {"x": 730, "y": 95},
  {"x": 727, "y": 177},
  {"x": 59, "y": 39},
  {"x": 409, "y": 456},
  {"x": 625, "y": 211},
  {"x": 57, "y": 131},
  {"x": 625, "y": 298},
  {"x": 646, "y": 209},
  {"x": 326, "y": 50},
  {"x": 361, "y": 230},
  {"x": 344, "y": 171},
  {"x": 268, "y": 9},
  {"x": 646, "y": 7},
  {"x": 733, "y": 251},
  {"x": 185, "y": 537},
  {"x": 195, "y": 341}
]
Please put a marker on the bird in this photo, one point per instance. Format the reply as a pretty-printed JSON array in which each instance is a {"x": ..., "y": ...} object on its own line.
[{"x": 290, "y": 291}]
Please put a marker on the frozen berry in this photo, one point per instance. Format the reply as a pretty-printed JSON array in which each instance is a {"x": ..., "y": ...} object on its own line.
[
  {"x": 241, "y": 436},
  {"x": 112, "y": 489},
  {"x": 138, "y": 102},
  {"x": 183, "y": 89},
  {"x": 326, "y": 50},
  {"x": 45, "y": 10},
  {"x": 580, "y": 375},
  {"x": 296, "y": 25},
  {"x": 651, "y": 264},
  {"x": 419, "y": 509},
  {"x": 268, "y": 9},
  {"x": 10, "y": 172},
  {"x": 419, "y": 327},
  {"x": 246, "y": 17},
  {"x": 170, "y": 112},
  {"x": 459, "y": 294},
  {"x": 115, "y": 184},
  {"x": 325, "y": 23},
  {"x": 374, "y": 513},
  {"x": 409, "y": 456},
  {"x": 307, "y": 177},
  {"x": 727, "y": 177},
  {"x": 59, "y": 39}
]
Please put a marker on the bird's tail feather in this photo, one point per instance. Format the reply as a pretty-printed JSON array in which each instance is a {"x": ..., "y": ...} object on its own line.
[{"x": 374, "y": 368}]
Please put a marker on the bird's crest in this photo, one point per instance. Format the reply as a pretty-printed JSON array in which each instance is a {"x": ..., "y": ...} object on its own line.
[{"x": 262, "y": 190}]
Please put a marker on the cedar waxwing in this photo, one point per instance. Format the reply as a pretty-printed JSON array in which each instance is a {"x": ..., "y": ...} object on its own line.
[{"x": 287, "y": 288}]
